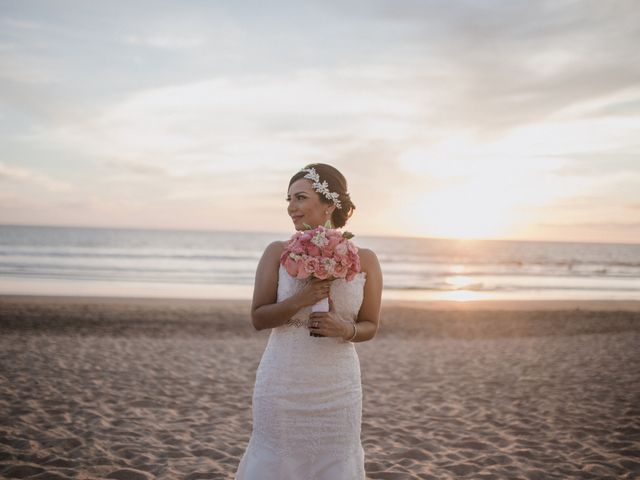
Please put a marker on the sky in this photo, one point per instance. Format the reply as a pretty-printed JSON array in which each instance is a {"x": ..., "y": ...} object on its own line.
[{"x": 451, "y": 119}]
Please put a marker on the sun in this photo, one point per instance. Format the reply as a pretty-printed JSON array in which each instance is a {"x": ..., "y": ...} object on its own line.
[
  {"x": 467, "y": 187},
  {"x": 471, "y": 210}
]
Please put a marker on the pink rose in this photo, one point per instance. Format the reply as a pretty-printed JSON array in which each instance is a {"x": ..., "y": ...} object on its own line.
[
  {"x": 291, "y": 266},
  {"x": 342, "y": 248},
  {"x": 334, "y": 240},
  {"x": 339, "y": 270},
  {"x": 309, "y": 266},
  {"x": 340, "y": 259},
  {"x": 321, "y": 272},
  {"x": 321, "y": 252}
]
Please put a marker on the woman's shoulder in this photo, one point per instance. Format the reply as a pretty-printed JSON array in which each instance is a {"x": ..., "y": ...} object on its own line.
[
  {"x": 271, "y": 256},
  {"x": 277, "y": 245},
  {"x": 367, "y": 253},
  {"x": 274, "y": 249},
  {"x": 368, "y": 259}
]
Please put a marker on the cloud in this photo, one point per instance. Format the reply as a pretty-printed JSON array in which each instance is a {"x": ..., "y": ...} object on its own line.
[
  {"x": 20, "y": 24},
  {"x": 595, "y": 225},
  {"x": 15, "y": 69},
  {"x": 12, "y": 173},
  {"x": 137, "y": 168},
  {"x": 488, "y": 67},
  {"x": 499, "y": 65},
  {"x": 165, "y": 41},
  {"x": 226, "y": 122}
]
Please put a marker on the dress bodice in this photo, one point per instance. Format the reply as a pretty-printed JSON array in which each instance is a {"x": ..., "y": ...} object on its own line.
[{"x": 347, "y": 296}]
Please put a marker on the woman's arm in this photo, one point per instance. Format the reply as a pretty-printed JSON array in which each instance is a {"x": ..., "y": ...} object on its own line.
[
  {"x": 265, "y": 311},
  {"x": 368, "y": 319}
]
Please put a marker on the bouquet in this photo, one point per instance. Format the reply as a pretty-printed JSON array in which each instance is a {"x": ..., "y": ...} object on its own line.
[{"x": 322, "y": 252}]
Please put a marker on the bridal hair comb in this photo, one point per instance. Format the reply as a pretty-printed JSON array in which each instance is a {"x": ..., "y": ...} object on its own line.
[{"x": 322, "y": 187}]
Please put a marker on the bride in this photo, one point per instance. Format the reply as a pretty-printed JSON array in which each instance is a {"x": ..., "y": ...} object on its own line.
[{"x": 307, "y": 399}]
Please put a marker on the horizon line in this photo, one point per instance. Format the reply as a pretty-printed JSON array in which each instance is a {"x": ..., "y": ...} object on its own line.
[{"x": 416, "y": 237}]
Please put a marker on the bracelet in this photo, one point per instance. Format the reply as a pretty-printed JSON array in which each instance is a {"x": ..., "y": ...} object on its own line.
[{"x": 355, "y": 332}]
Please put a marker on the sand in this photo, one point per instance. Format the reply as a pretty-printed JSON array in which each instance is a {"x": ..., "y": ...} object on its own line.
[{"x": 139, "y": 389}]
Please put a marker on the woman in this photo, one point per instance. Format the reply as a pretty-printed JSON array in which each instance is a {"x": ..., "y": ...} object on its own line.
[{"x": 307, "y": 399}]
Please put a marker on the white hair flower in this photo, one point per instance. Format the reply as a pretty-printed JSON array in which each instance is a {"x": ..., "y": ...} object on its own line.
[{"x": 322, "y": 187}]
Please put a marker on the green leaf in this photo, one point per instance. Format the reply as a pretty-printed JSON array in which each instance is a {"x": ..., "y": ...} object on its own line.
[
  {"x": 328, "y": 224},
  {"x": 307, "y": 226},
  {"x": 348, "y": 235}
]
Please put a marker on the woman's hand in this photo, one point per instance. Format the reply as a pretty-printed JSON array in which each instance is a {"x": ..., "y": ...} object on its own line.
[
  {"x": 329, "y": 324},
  {"x": 314, "y": 291}
]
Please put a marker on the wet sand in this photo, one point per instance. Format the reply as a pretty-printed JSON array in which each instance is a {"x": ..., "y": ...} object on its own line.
[{"x": 144, "y": 388}]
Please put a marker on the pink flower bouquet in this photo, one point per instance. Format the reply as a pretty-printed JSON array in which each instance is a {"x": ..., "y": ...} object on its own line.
[{"x": 322, "y": 253}]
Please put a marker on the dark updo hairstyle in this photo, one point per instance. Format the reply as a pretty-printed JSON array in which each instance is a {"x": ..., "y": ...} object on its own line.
[{"x": 337, "y": 183}]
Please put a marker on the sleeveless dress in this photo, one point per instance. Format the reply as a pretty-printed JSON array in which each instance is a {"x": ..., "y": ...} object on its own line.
[{"x": 307, "y": 399}]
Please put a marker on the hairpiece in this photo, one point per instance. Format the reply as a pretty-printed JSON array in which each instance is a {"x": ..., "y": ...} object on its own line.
[{"x": 322, "y": 187}]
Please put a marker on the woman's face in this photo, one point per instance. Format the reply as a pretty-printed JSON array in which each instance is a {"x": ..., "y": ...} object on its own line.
[{"x": 305, "y": 205}]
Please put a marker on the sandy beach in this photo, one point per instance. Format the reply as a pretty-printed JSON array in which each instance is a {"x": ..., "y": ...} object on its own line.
[{"x": 141, "y": 389}]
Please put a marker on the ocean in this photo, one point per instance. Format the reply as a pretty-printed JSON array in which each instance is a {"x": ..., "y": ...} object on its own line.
[{"x": 44, "y": 260}]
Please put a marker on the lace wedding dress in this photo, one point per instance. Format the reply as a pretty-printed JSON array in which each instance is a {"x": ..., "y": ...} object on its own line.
[{"x": 307, "y": 399}]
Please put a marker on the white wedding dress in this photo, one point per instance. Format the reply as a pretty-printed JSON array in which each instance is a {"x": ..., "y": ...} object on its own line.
[{"x": 307, "y": 399}]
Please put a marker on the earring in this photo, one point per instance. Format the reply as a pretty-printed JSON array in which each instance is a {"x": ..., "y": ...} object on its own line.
[{"x": 326, "y": 212}]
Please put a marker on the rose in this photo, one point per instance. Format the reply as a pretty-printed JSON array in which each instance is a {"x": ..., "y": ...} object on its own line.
[
  {"x": 292, "y": 266},
  {"x": 322, "y": 252},
  {"x": 339, "y": 270},
  {"x": 310, "y": 265}
]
